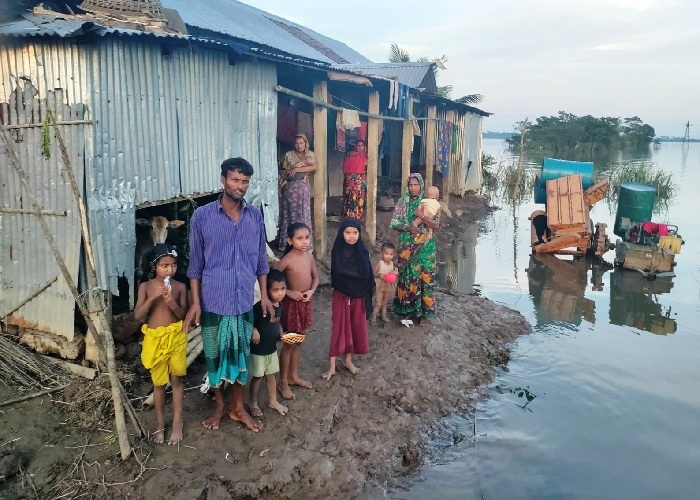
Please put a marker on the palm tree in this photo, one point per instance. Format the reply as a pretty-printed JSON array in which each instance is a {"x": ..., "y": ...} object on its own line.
[{"x": 399, "y": 55}]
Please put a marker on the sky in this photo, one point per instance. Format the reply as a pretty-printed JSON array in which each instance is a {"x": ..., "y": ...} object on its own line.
[{"x": 533, "y": 58}]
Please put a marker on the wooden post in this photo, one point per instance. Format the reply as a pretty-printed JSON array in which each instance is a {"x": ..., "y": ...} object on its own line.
[
  {"x": 446, "y": 184},
  {"x": 406, "y": 147},
  {"x": 321, "y": 173},
  {"x": 430, "y": 130},
  {"x": 516, "y": 186},
  {"x": 372, "y": 160}
]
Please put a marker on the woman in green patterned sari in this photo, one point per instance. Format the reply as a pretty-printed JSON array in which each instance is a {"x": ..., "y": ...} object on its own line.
[{"x": 415, "y": 291}]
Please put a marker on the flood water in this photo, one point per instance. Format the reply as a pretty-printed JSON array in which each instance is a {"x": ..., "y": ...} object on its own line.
[{"x": 601, "y": 400}]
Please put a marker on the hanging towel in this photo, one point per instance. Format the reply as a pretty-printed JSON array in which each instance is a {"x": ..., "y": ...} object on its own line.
[
  {"x": 391, "y": 94},
  {"x": 339, "y": 133},
  {"x": 444, "y": 145},
  {"x": 351, "y": 119}
]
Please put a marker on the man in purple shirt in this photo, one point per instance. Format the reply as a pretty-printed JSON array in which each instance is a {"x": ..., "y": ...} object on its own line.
[{"x": 228, "y": 252}]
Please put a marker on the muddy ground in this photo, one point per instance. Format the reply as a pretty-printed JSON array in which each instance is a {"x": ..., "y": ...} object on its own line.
[{"x": 344, "y": 437}]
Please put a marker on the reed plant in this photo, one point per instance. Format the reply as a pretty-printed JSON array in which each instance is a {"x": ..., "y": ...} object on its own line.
[
  {"x": 500, "y": 179},
  {"x": 643, "y": 173}
]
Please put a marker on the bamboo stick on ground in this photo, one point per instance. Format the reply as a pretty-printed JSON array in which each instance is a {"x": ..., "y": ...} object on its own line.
[{"x": 124, "y": 446}]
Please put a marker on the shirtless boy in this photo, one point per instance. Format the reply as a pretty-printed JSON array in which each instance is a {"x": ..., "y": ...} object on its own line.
[
  {"x": 297, "y": 314},
  {"x": 164, "y": 302}
]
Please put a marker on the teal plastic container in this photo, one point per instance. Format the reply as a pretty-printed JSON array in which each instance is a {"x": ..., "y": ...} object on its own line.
[
  {"x": 635, "y": 202},
  {"x": 553, "y": 169}
]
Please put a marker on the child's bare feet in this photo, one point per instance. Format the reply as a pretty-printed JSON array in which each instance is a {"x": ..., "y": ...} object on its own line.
[
  {"x": 158, "y": 436},
  {"x": 285, "y": 391},
  {"x": 352, "y": 368},
  {"x": 175, "y": 433},
  {"x": 275, "y": 405},
  {"x": 243, "y": 417},
  {"x": 300, "y": 382},
  {"x": 213, "y": 422},
  {"x": 328, "y": 374},
  {"x": 255, "y": 410}
]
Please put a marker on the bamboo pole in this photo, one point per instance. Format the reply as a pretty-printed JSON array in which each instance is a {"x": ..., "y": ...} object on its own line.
[
  {"x": 324, "y": 104},
  {"x": 430, "y": 132},
  {"x": 124, "y": 446},
  {"x": 446, "y": 179},
  {"x": 520, "y": 161},
  {"x": 372, "y": 166},
  {"x": 33, "y": 395},
  {"x": 321, "y": 173},
  {"x": 118, "y": 392},
  {"x": 36, "y": 292},
  {"x": 406, "y": 147}
]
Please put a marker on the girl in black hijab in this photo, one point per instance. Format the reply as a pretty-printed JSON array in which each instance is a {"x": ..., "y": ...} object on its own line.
[{"x": 353, "y": 285}]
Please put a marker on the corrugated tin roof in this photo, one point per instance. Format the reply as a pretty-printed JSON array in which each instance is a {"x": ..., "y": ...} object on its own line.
[
  {"x": 238, "y": 20},
  {"x": 411, "y": 73}
]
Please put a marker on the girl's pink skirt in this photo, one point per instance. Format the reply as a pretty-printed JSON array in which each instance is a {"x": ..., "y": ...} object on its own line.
[{"x": 349, "y": 325}]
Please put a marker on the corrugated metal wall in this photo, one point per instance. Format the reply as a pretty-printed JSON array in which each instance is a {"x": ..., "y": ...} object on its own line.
[
  {"x": 36, "y": 79},
  {"x": 164, "y": 125}
]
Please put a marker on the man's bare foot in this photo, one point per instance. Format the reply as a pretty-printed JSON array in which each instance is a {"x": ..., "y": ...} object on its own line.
[
  {"x": 327, "y": 374},
  {"x": 301, "y": 383},
  {"x": 243, "y": 417},
  {"x": 385, "y": 319},
  {"x": 158, "y": 436},
  {"x": 275, "y": 405},
  {"x": 213, "y": 422},
  {"x": 255, "y": 410},
  {"x": 175, "y": 433},
  {"x": 285, "y": 391}
]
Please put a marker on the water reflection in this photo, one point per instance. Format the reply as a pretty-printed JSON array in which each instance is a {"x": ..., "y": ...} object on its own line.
[
  {"x": 634, "y": 301},
  {"x": 457, "y": 266},
  {"x": 558, "y": 289}
]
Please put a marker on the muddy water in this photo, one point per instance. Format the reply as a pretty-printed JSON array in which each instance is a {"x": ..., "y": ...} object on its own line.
[{"x": 602, "y": 399}]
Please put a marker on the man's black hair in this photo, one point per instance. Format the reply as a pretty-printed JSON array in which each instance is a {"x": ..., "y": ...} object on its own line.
[{"x": 237, "y": 165}]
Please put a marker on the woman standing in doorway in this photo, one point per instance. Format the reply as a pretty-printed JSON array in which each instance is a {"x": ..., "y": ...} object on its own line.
[
  {"x": 415, "y": 290},
  {"x": 295, "y": 191},
  {"x": 355, "y": 184}
]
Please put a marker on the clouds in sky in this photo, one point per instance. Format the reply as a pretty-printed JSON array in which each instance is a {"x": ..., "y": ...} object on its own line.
[{"x": 536, "y": 57}]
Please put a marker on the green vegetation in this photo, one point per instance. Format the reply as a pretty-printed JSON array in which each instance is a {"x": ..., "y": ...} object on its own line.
[
  {"x": 642, "y": 173},
  {"x": 501, "y": 178},
  {"x": 566, "y": 134}
]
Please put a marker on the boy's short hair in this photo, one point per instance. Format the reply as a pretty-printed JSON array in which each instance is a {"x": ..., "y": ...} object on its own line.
[
  {"x": 275, "y": 276},
  {"x": 237, "y": 164},
  {"x": 387, "y": 245}
]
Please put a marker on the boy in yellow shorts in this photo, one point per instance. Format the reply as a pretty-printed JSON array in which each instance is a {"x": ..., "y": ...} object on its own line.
[{"x": 164, "y": 302}]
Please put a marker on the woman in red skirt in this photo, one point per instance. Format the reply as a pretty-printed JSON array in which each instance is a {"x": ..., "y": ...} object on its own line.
[{"x": 353, "y": 285}]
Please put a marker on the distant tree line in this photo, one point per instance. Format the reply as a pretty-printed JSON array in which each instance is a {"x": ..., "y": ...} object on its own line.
[{"x": 566, "y": 133}]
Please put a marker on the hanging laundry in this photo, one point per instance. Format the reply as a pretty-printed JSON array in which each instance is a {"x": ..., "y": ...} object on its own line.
[
  {"x": 391, "y": 93},
  {"x": 362, "y": 133},
  {"x": 416, "y": 127},
  {"x": 455, "y": 138},
  {"x": 444, "y": 145},
  {"x": 339, "y": 133},
  {"x": 351, "y": 119}
]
